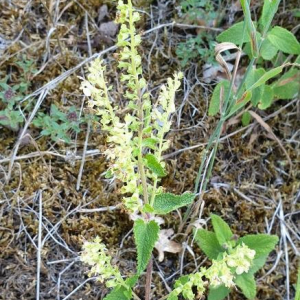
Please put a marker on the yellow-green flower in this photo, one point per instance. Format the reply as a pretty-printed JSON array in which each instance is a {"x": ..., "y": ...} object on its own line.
[
  {"x": 94, "y": 254},
  {"x": 241, "y": 258}
]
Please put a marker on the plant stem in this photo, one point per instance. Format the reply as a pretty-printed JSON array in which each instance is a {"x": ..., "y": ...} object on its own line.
[
  {"x": 140, "y": 113},
  {"x": 148, "y": 280},
  {"x": 158, "y": 155}
]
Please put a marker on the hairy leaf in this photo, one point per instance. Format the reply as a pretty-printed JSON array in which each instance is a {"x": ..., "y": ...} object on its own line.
[
  {"x": 167, "y": 202},
  {"x": 218, "y": 293},
  {"x": 119, "y": 293},
  {"x": 154, "y": 165},
  {"x": 208, "y": 242},
  {"x": 263, "y": 244},
  {"x": 257, "y": 263},
  {"x": 145, "y": 235},
  {"x": 247, "y": 284},
  {"x": 221, "y": 228}
]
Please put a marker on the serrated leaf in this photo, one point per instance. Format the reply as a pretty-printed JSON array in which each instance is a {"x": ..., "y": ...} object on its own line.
[
  {"x": 268, "y": 12},
  {"x": 257, "y": 264},
  {"x": 266, "y": 97},
  {"x": 221, "y": 228},
  {"x": 284, "y": 40},
  {"x": 167, "y": 202},
  {"x": 246, "y": 118},
  {"x": 218, "y": 293},
  {"x": 145, "y": 235},
  {"x": 267, "y": 50},
  {"x": 154, "y": 165},
  {"x": 208, "y": 242},
  {"x": 118, "y": 293},
  {"x": 247, "y": 284},
  {"x": 214, "y": 106},
  {"x": 263, "y": 244},
  {"x": 288, "y": 85},
  {"x": 234, "y": 34}
]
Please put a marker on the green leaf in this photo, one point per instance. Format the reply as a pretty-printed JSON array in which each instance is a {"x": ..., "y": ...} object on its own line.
[
  {"x": 241, "y": 102},
  {"x": 250, "y": 27},
  {"x": 267, "y": 50},
  {"x": 119, "y": 293},
  {"x": 247, "y": 284},
  {"x": 154, "y": 165},
  {"x": 208, "y": 242},
  {"x": 296, "y": 13},
  {"x": 268, "y": 12},
  {"x": 221, "y": 228},
  {"x": 257, "y": 263},
  {"x": 263, "y": 244},
  {"x": 288, "y": 85},
  {"x": 234, "y": 34},
  {"x": 248, "y": 48},
  {"x": 181, "y": 281},
  {"x": 254, "y": 76},
  {"x": 297, "y": 296},
  {"x": 145, "y": 235},
  {"x": 150, "y": 143},
  {"x": 214, "y": 106},
  {"x": 172, "y": 296},
  {"x": 266, "y": 97},
  {"x": 147, "y": 208},
  {"x": 284, "y": 40},
  {"x": 131, "y": 281},
  {"x": 56, "y": 114},
  {"x": 268, "y": 75},
  {"x": 167, "y": 202},
  {"x": 218, "y": 293},
  {"x": 246, "y": 118}
]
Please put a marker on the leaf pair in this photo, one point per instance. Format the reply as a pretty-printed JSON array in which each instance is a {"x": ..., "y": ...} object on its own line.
[
  {"x": 146, "y": 233},
  {"x": 215, "y": 243}
]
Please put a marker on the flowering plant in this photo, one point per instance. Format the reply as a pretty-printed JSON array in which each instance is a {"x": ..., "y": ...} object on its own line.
[
  {"x": 136, "y": 141},
  {"x": 234, "y": 262}
]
